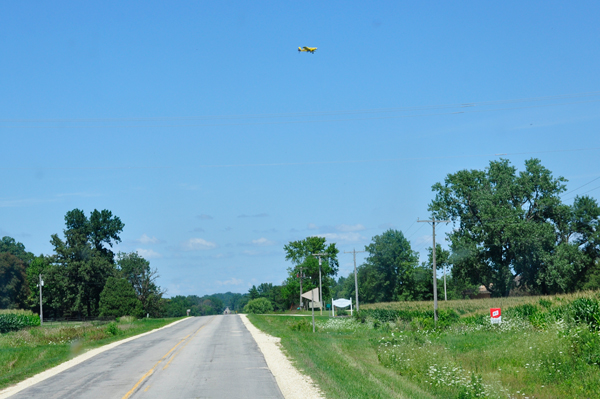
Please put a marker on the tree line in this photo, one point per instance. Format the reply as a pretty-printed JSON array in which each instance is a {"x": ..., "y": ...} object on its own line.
[
  {"x": 512, "y": 233},
  {"x": 83, "y": 277}
]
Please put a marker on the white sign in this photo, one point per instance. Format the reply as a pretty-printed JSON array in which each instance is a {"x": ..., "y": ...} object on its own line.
[
  {"x": 342, "y": 303},
  {"x": 312, "y": 295}
]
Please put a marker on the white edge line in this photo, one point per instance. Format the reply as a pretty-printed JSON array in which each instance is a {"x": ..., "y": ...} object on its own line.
[{"x": 44, "y": 375}]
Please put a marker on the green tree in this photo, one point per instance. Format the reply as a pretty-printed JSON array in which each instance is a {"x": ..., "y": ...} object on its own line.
[
  {"x": 305, "y": 264},
  {"x": 137, "y": 271},
  {"x": 507, "y": 222},
  {"x": 253, "y": 293},
  {"x": 37, "y": 266},
  {"x": 388, "y": 270},
  {"x": 8, "y": 244},
  {"x": 175, "y": 306},
  {"x": 118, "y": 299},
  {"x": 82, "y": 264},
  {"x": 258, "y": 306},
  {"x": 13, "y": 282},
  {"x": 573, "y": 264}
]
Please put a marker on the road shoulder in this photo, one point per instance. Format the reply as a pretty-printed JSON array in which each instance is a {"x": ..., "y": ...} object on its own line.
[{"x": 292, "y": 383}]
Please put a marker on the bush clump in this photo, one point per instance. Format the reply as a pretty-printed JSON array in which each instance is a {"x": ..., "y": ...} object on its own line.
[
  {"x": 118, "y": 298},
  {"x": 302, "y": 325},
  {"x": 258, "y": 306},
  {"x": 112, "y": 329},
  {"x": 15, "y": 322}
]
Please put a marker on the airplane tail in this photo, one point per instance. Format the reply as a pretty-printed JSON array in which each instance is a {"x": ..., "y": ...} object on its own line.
[{"x": 299, "y": 48}]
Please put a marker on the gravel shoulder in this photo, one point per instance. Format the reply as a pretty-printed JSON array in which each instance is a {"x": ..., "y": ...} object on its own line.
[{"x": 292, "y": 383}]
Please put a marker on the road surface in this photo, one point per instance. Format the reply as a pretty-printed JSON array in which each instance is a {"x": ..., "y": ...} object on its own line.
[{"x": 201, "y": 357}]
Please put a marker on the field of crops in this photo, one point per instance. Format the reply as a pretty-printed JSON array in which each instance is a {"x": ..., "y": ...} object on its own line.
[{"x": 470, "y": 307}]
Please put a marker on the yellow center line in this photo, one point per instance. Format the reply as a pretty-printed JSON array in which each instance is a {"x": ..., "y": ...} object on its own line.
[
  {"x": 149, "y": 373},
  {"x": 180, "y": 349}
]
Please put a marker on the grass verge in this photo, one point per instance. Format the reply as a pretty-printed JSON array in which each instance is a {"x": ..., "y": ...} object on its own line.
[
  {"x": 28, "y": 352},
  {"x": 342, "y": 362},
  {"x": 546, "y": 347}
]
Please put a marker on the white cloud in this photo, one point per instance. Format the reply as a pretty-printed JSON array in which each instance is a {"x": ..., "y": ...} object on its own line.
[
  {"x": 231, "y": 281},
  {"x": 312, "y": 226},
  {"x": 350, "y": 227},
  {"x": 344, "y": 237},
  {"x": 144, "y": 239},
  {"x": 196, "y": 244},
  {"x": 148, "y": 253},
  {"x": 263, "y": 242}
]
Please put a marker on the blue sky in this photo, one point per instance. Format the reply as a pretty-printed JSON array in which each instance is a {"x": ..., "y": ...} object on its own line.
[{"x": 216, "y": 142}]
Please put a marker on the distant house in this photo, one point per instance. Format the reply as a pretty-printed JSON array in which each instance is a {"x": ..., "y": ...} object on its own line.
[
  {"x": 483, "y": 293},
  {"x": 227, "y": 311}
]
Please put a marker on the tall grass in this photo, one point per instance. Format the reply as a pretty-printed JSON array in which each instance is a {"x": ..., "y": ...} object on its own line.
[
  {"x": 469, "y": 307},
  {"x": 29, "y": 351},
  {"x": 546, "y": 347}
]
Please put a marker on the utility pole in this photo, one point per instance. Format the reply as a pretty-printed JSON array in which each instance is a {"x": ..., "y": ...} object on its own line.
[
  {"x": 354, "y": 252},
  {"x": 445, "y": 296},
  {"x": 319, "y": 255},
  {"x": 41, "y": 284},
  {"x": 312, "y": 305},
  {"x": 300, "y": 304},
  {"x": 435, "y": 304}
]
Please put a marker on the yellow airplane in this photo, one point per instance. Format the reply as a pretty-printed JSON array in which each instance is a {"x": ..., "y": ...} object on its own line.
[{"x": 307, "y": 49}]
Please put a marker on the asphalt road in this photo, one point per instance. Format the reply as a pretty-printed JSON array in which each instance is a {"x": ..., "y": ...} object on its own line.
[{"x": 201, "y": 357}]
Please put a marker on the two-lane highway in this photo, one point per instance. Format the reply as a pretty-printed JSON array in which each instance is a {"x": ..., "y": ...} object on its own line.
[{"x": 201, "y": 357}]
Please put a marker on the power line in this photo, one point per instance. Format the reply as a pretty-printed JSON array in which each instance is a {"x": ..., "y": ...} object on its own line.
[
  {"x": 416, "y": 231},
  {"x": 464, "y": 109},
  {"x": 575, "y": 189},
  {"x": 595, "y": 188},
  {"x": 300, "y": 163},
  {"x": 407, "y": 230}
]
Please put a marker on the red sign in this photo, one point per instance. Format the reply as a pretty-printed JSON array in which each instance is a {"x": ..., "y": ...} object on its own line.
[{"x": 495, "y": 313}]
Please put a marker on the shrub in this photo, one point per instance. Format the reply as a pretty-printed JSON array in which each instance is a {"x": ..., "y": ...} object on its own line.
[
  {"x": 112, "y": 329},
  {"x": 258, "y": 306},
  {"x": 14, "y": 322},
  {"x": 118, "y": 298},
  {"x": 302, "y": 325}
]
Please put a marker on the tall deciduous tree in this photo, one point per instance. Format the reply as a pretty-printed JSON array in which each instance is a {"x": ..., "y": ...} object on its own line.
[
  {"x": 513, "y": 224},
  {"x": 83, "y": 262},
  {"x": 10, "y": 245},
  {"x": 137, "y": 271},
  {"x": 13, "y": 284},
  {"x": 300, "y": 254},
  {"x": 387, "y": 274}
]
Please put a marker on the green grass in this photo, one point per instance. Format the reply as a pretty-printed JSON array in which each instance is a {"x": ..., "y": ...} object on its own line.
[
  {"x": 343, "y": 363},
  {"x": 30, "y": 351},
  {"x": 546, "y": 347}
]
